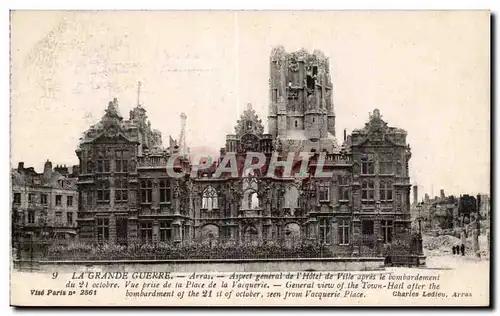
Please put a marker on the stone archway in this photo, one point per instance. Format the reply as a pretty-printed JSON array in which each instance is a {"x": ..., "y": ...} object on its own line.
[
  {"x": 209, "y": 233},
  {"x": 251, "y": 235},
  {"x": 292, "y": 234}
]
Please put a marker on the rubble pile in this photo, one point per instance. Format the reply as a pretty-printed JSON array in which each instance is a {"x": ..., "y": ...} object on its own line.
[{"x": 443, "y": 242}]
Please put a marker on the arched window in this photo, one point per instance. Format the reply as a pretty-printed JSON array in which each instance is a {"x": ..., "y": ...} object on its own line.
[
  {"x": 253, "y": 201},
  {"x": 291, "y": 197},
  {"x": 250, "y": 199},
  {"x": 210, "y": 199},
  {"x": 146, "y": 191}
]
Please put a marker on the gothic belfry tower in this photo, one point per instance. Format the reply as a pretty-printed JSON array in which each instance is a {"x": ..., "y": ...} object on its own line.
[{"x": 301, "y": 107}]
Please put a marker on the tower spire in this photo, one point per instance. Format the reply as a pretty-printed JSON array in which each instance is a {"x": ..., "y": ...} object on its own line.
[{"x": 138, "y": 93}]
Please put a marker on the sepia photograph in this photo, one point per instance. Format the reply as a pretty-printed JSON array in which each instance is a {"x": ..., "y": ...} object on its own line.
[{"x": 250, "y": 158}]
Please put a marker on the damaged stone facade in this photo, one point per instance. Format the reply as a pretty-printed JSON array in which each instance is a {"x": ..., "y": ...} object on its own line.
[{"x": 128, "y": 197}]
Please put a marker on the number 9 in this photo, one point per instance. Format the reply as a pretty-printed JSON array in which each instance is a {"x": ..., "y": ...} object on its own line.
[{"x": 54, "y": 275}]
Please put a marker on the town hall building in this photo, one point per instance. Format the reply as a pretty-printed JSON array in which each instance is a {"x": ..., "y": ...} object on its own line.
[{"x": 127, "y": 196}]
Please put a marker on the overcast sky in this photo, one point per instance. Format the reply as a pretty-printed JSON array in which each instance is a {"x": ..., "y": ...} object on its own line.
[{"x": 427, "y": 72}]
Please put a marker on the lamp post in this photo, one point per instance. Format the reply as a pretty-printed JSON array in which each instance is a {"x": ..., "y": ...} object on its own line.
[{"x": 378, "y": 240}]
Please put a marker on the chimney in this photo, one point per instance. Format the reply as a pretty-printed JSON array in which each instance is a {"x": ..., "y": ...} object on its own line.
[
  {"x": 63, "y": 170},
  {"x": 415, "y": 194},
  {"x": 345, "y": 134},
  {"x": 20, "y": 166},
  {"x": 47, "y": 170},
  {"x": 442, "y": 194}
]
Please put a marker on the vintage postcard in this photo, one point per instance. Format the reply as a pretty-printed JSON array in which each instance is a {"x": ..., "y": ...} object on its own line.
[{"x": 250, "y": 158}]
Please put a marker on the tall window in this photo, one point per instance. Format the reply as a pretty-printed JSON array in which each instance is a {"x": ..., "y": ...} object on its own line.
[
  {"x": 146, "y": 191},
  {"x": 58, "y": 200},
  {"x": 343, "y": 188},
  {"x": 210, "y": 199},
  {"x": 69, "y": 218},
  {"x": 368, "y": 191},
  {"x": 367, "y": 165},
  {"x": 102, "y": 165},
  {"x": 121, "y": 163},
  {"x": 165, "y": 231},
  {"x": 69, "y": 200},
  {"x": 165, "y": 191},
  {"x": 103, "y": 191},
  {"x": 43, "y": 199},
  {"x": 31, "y": 217},
  {"x": 59, "y": 218},
  {"x": 121, "y": 190},
  {"x": 147, "y": 232},
  {"x": 385, "y": 164},
  {"x": 385, "y": 191},
  {"x": 324, "y": 230},
  {"x": 387, "y": 228},
  {"x": 31, "y": 198},
  {"x": 17, "y": 198},
  {"x": 102, "y": 229},
  {"x": 344, "y": 230},
  {"x": 324, "y": 191}
]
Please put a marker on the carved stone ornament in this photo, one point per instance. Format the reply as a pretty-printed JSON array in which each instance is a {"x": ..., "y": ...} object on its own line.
[
  {"x": 177, "y": 191},
  {"x": 277, "y": 53},
  {"x": 249, "y": 142},
  {"x": 249, "y": 123},
  {"x": 293, "y": 94}
]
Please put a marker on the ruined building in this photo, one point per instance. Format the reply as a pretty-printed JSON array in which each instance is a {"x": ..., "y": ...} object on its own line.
[
  {"x": 44, "y": 205},
  {"x": 128, "y": 197}
]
